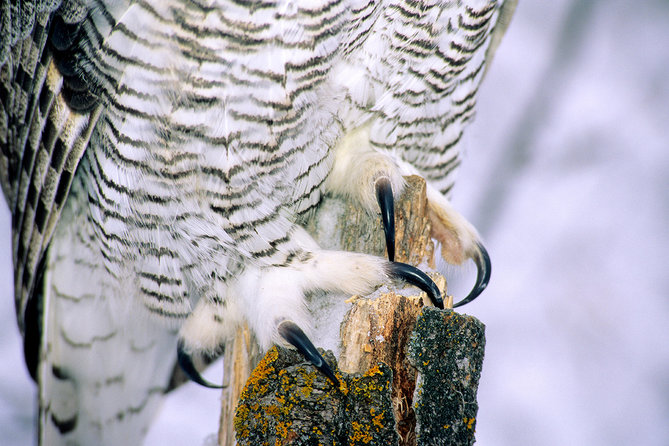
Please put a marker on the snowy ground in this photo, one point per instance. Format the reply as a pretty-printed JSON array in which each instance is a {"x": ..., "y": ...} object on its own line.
[{"x": 567, "y": 177}]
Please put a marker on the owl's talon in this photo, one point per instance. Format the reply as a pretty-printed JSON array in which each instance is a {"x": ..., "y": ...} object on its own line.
[
  {"x": 296, "y": 337},
  {"x": 384, "y": 195},
  {"x": 418, "y": 278},
  {"x": 186, "y": 363},
  {"x": 408, "y": 273},
  {"x": 483, "y": 268}
]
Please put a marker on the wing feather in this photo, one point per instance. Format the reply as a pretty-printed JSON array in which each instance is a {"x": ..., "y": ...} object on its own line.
[{"x": 42, "y": 139}]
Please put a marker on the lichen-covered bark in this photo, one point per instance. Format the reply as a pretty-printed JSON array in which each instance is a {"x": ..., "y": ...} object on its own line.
[{"x": 287, "y": 402}]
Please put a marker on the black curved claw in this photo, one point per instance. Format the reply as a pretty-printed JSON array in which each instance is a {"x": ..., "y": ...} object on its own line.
[
  {"x": 483, "y": 268},
  {"x": 296, "y": 337},
  {"x": 384, "y": 195},
  {"x": 186, "y": 363},
  {"x": 416, "y": 277}
]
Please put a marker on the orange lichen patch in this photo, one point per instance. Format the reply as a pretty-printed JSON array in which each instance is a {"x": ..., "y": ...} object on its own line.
[
  {"x": 343, "y": 385},
  {"x": 372, "y": 420},
  {"x": 376, "y": 419},
  {"x": 283, "y": 431},
  {"x": 360, "y": 433},
  {"x": 469, "y": 422},
  {"x": 308, "y": 386},
  {"x": 254, "y": 386},
  {"x": 260, "y": 373},
  {"x": 374, "y": 370}
]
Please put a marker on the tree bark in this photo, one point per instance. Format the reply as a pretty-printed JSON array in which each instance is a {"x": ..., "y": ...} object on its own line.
[{"x": 408, "y": 371}]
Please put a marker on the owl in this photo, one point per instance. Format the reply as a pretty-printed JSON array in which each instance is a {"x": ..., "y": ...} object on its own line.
[{"x": 158, "y": 156}]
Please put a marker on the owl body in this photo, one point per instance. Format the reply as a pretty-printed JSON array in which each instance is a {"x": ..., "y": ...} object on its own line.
[
  {"x": 236, "y": 127},
  {"x": 206, "y": 131}
]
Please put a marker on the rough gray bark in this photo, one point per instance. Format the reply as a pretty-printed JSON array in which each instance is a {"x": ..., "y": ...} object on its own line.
[
  {"x": 446, "y": 349},
  {"x": 409, "y": 372}
]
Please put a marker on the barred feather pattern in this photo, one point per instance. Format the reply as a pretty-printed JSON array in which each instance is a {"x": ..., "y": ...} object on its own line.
[
  {"x": 219, "y": 120},
  {"x": 422, "y": 63},
  {"x": 211, "y": 130}
]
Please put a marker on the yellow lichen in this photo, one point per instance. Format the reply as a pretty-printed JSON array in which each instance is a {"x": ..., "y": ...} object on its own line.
[
  {"x": 253, "y": 388},
  {"x": 469, "y": 422},
  {"x": 240, "y": 426},
  {"x": 343, "y": 387},
  {"x": 282, "y": 430},
  {"x": 377, "y": 420},
  {"x": 374, "y": 370},
  {"x": 359, "y": 433},
  {"x": 261, "y": 372},
  {"x": 308, "y": 387}
]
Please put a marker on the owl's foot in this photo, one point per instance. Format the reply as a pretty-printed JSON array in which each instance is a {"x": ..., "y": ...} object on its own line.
[
  {"x": 363, "y": 174},
  {"x": 459, "y": 240},
  {"x": 414, "y": 276},
  {"x": 294, "y": 335},
  {"x": 271, "y": 300}
]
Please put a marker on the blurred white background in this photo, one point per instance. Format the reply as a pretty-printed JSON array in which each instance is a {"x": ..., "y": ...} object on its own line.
[{"x": 566, "y": 174}]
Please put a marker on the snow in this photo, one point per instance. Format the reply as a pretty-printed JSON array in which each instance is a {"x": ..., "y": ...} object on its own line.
[{"x": 566, "y": 175}]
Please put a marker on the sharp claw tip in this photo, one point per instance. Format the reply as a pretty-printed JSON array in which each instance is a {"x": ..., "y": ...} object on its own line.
[
  {"x": 418, "y": 278},
  {"x": 327, "y": 371},
  {"x": 186, "y": 363},
  {"x": 484, "y": 268},
  {"x": 294, "y": 335}
]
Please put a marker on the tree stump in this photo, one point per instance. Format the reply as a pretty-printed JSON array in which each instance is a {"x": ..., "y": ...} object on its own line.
[{"x": 409, "y": 372}]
